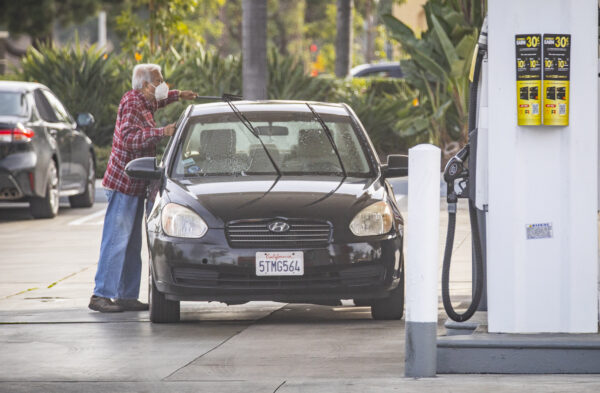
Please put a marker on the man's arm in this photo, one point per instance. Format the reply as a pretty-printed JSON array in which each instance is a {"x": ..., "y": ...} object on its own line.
[
  {"x": 172, "y": 97},
  {"x": 175, "y": 95}
]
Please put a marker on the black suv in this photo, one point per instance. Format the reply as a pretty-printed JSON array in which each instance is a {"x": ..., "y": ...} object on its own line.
[{"x": 44, "y": 153}]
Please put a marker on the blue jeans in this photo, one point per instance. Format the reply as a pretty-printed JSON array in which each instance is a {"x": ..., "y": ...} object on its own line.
[{"x": 120, "y": 264}]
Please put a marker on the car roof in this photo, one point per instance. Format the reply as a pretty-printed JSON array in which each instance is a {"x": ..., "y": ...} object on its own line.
[
  {"x": 269, "y": 105},
  {"x": 20, "y": 86},
  {"x": 374, "y": 67}
]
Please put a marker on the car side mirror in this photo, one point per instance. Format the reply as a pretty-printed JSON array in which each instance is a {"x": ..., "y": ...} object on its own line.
[
  {"x": 397, "y": 166},
  {"x": 143, "y": 168},
  {"x": 85, "y": 120}
]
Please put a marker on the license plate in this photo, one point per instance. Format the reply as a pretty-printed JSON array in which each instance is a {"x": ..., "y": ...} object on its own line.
[{"x": 287, "y": 263}]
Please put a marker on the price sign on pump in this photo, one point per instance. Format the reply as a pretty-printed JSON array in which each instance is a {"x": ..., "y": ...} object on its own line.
[
  {"x": 557, "y": 65},
  {"x": 529, "y": 79}
]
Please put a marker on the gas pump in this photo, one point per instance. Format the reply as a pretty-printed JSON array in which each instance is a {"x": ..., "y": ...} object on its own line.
[
  {"x": 461, "y": 182},
  {"x": 531, "y": 169}
]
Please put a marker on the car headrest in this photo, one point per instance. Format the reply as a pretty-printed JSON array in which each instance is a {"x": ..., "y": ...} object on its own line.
[
  {"x": 259, "y": 151},
  {"x": 314, "y": 143},
  {"x": 218, "y": 143}
]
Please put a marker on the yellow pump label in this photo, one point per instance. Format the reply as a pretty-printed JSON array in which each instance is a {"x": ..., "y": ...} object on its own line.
[
  {"x": 529, "y": 79},
  {"x": 557, "y": 64}
]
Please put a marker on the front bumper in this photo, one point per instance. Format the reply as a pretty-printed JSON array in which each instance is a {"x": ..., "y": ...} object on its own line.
[{"x": 209, "y": 269}]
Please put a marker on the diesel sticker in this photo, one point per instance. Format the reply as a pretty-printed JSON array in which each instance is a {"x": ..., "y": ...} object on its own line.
[
  {"x": 529, "y": 79},
  {"x": 539, "y": 231},
  {"x": 557, "y": 65}
]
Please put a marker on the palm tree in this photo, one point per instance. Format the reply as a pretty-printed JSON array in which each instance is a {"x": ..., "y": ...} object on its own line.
[
  {"x": 254, "y": 49},
  {"x": 343, "y": 39}
]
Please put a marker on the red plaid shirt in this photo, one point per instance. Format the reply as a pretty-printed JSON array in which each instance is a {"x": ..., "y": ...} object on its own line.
[{"x": 135, "y": 136}]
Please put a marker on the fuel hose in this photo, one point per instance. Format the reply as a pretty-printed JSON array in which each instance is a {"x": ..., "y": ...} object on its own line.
[{"x": 452, "y": 208}]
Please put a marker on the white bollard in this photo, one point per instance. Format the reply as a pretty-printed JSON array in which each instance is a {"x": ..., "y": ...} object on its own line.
[{"x": 422, "y": 260}]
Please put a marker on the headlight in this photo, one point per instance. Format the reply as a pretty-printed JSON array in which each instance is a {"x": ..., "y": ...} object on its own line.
[
  {"x": 373, "y": 220},
  {"x": 179, "y": 221}
]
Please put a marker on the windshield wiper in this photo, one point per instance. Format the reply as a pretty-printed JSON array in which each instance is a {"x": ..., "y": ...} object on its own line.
[
  {"x": 228, "y": 98},
  {"x": 329, "y": 136}
]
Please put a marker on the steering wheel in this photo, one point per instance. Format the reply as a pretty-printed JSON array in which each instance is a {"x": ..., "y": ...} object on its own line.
[{"x": 322, "y": 166}]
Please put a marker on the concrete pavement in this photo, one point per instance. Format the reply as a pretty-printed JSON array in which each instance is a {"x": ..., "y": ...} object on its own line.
[{"x": 51, "y": 342}]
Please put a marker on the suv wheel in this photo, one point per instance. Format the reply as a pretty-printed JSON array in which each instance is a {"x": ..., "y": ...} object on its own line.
[
  {"x": 87, "y": 198},
  {"x": 391, "y": 307},
  {"x": 161, "y": 309},
  {"x": 47, "y": 206}
]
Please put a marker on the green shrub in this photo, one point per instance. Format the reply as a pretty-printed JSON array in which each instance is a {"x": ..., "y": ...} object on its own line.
[
  {"x": 102, "y": 154},
  {"x": 380, "y": 112},
  {"x": 87, "y": 80},
  {"x": 206, "y": 73},
  {"x": 393, "y": 86},
  {"x": 84, "y": 79},
  {"x": 289, "y": 80}
]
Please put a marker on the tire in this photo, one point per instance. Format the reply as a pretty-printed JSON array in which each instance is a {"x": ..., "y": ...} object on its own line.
[
  {"x": 161, "y": 309},
  {"x": 391, "y": 307},
  {"x": 47, "y": 206},
  {"x": 87, "y": 198}
]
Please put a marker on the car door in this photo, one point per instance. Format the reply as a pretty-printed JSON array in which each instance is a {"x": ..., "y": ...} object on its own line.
[
  {"x": 65, "y": 129},
  {"x": 81, "y": 158},
  {"x": 56, "y": 131}
]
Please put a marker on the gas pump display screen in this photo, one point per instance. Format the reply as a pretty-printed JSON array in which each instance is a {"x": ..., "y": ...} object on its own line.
[
  {"x": 557, "y": 65},
  {"x": 529, "y": 79}
]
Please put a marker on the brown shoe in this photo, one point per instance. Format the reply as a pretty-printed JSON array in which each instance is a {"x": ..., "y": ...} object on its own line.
[
  {"x": 103, "y": 304},
  {"x": 131, "y": 305}
]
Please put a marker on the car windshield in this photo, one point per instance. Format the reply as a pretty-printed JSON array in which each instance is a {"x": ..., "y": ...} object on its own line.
[
  {"x": 220, "y": 144},
  {"x": 13, "y": 104}
]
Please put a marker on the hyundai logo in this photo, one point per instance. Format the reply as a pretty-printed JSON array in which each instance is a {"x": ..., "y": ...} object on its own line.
[{"x": 279, "y": 226}]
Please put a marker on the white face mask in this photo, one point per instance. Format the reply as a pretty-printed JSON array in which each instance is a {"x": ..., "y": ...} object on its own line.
[{"x": 161, "y": 92}]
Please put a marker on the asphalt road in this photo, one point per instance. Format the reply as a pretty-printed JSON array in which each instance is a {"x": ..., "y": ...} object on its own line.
[{"x": 51, "y": 342}]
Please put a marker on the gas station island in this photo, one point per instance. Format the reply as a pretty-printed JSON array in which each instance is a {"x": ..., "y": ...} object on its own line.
[{"x": 530, "y": 173}]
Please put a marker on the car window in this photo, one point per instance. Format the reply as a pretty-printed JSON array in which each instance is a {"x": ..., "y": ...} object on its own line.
[
  {"x": 220, "y": 144},
  {"x": 13, "y": 104},
  {"x": 60, "y": 111},
  {"x": 43, "y": 106},
  {"x": 376, "y": 74}
]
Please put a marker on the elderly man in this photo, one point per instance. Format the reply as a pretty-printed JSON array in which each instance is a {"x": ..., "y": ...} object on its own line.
[{"x": 136, "y": 135}]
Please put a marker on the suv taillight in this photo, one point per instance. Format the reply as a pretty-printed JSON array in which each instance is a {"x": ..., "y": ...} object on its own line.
[{"x": 16, "y": 135}]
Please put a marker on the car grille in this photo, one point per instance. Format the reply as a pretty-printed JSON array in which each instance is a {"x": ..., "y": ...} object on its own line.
[
  {"x": 238, "y": 278},
  {"x": 255, "y": 234}
]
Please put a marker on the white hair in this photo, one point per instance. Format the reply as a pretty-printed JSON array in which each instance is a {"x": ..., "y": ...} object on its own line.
[{"x": 143, "y": 73}]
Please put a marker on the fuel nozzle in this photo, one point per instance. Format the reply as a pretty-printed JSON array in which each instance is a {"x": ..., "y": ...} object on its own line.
[{"x": 455, "y": 170}]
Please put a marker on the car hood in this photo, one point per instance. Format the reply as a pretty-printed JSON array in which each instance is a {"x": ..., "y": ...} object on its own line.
[{"x": 235, "y": 198}]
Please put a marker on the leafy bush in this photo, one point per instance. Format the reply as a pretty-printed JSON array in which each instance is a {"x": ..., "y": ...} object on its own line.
[
  {"x": 207, "y": 74},
  {"x": 380, "y": 112},
  {"x": 85, "y": 80},
  {"x": 289, "y": 80},
  {"x": 438, "y": 68},
  {"x": 102, "y": 154}
]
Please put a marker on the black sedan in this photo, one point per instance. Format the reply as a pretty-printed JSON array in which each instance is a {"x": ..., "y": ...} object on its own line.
[
  {"x": 44, "y": 154},
  {"x": 273, "y": 200}
]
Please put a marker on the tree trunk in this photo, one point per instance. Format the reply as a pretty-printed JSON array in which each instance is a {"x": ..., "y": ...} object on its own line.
[
  {"x": 369, "y": 32},
  {"x": 254, "y": 49},
  {"x": 343, "y": 39},
  {"x": 151, "y": 36}
]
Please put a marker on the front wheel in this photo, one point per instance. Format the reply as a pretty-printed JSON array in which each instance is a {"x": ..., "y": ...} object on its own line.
[
  {"x": 391, "y": 307},
  {"x": 162, "y": 310}
]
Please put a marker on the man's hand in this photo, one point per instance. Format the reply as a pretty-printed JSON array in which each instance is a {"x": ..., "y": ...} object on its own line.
[
  {"x": 187, "y": 95},
  {"x": 169, "y": 130}
]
